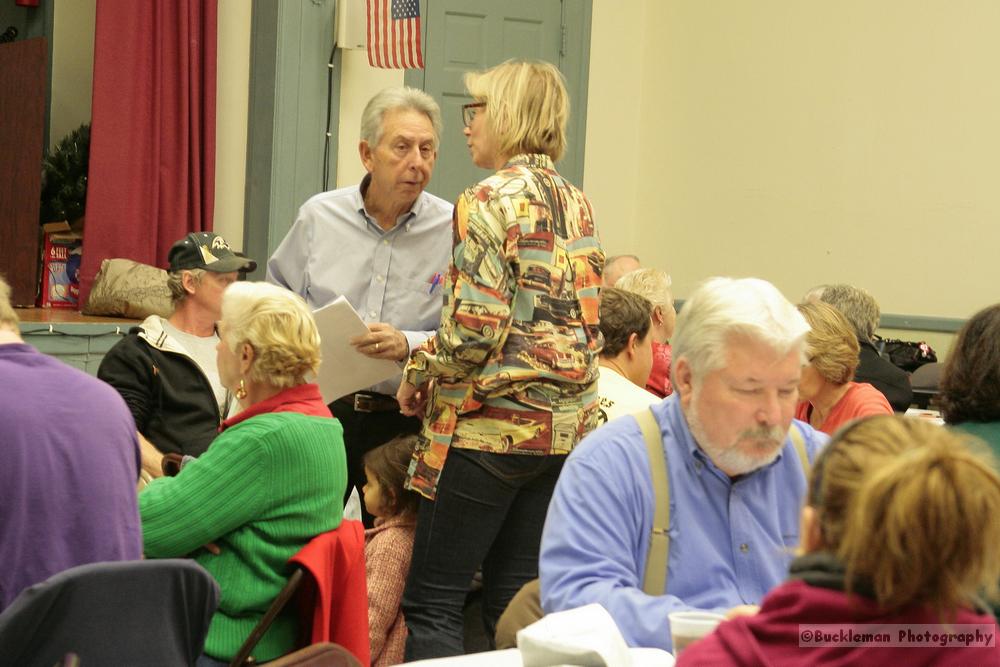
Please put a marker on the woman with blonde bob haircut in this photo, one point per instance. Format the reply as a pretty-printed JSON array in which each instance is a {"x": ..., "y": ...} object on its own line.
[
  {"x": 526, "y": 106},
  {"x": 829, "y": 398},
  {"x": 900, "y": 528},
  {"x": 514, "y": 360},
  {"x": 272, "y": 480}
]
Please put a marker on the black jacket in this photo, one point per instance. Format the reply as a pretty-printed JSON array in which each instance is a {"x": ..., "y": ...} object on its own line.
[
  {"x": 170, "y": 398},
  {"x": 889, "y": 379}
]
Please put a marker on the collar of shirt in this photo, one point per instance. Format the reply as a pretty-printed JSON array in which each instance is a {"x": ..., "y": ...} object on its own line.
[
  {"x": 740, "y": 530},
  {"x": 539, "y": 160},
  {"x": 410, "y": 217},
  {"x": 304, "y": 399}
]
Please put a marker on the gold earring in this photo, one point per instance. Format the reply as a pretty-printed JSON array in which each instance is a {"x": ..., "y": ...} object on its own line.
[{"x": 241, "y": 393}]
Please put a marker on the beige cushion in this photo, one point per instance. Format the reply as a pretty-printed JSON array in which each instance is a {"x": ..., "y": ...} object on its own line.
[{"x": 129, "y": 289}]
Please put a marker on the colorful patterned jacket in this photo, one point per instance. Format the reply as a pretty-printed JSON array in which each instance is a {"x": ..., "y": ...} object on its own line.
[{"x": 514, "y": 361}]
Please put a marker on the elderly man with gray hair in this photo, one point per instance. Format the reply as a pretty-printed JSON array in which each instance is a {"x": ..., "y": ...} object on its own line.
[
  {"x": 862, "y": 311},
  {"x": 729, "y": 463},
  {"x": 384, "y": 245}
]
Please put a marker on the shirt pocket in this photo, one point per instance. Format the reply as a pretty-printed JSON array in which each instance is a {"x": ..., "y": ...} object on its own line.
[{"x": 420, "y": 286}]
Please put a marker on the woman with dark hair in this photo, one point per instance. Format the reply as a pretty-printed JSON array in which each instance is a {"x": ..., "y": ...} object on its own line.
[
  {"x": 389, "y": 545},
  {"x": 970, "y": 387},
  {"x": 899, "y": 530}
]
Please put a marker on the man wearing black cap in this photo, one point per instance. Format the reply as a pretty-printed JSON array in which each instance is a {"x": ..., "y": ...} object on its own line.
[{"x": 165, "y": 368}]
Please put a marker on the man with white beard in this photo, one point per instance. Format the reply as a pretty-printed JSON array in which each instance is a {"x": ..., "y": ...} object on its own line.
[{"x": 736, "y": 466}]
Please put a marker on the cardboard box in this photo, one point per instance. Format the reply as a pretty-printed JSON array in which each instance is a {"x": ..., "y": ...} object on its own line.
[{"x": 61, "y": 270}]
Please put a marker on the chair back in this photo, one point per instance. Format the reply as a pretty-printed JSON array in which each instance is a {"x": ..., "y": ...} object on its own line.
[
  {"x": 121, "y": 613},
  {"x": 331, "y": 595},
  {"x": 925, "y": 382},
  {"x": 288, "y": 591},
  {"x": 333, "y": 601}
]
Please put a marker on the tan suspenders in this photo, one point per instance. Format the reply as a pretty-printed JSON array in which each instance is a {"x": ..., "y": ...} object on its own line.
[{"x": 654, "y": 582}]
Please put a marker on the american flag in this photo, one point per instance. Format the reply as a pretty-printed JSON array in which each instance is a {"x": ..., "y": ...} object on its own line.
[{"x": 394, "y": 34}]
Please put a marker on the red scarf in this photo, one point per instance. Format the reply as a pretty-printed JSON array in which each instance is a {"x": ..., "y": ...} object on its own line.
[{"x": 304, "y": 399}]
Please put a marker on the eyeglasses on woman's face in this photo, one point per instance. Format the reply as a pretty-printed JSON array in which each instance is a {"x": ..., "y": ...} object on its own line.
[{"x": 469, "y": 112}]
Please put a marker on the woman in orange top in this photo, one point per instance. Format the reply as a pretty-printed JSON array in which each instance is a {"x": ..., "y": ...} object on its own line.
[{"x": 829, "y": 398}]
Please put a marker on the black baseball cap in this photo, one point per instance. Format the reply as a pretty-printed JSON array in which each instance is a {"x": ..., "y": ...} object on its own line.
[{"x": 205, "y": 250}]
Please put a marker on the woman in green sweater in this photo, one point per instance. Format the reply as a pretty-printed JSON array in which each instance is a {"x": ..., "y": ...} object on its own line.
[{"x": 272, "y": 480}]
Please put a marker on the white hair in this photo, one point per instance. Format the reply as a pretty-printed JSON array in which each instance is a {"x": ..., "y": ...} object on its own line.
[
  {"x": 390, "y": 99},
  {"x": 724, "y": 307},
  {"x": 654, "y": 284}
]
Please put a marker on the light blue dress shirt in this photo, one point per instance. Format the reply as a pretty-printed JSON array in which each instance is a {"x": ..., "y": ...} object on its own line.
[
  {"x": 730, "y": 541},
  {"x": 336, "y": 248}
]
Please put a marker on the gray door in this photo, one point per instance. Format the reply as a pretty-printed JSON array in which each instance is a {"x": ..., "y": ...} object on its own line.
[{"x": 463, "y": 35}]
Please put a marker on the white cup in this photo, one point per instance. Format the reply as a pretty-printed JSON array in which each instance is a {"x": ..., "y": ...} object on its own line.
[{"x": 687, "y": 627}]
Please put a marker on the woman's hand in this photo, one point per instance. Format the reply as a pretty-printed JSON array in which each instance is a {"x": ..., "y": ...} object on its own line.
[{"x": 411, "y": 399}]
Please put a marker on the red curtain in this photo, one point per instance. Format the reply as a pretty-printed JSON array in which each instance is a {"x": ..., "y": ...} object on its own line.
[{"x": 152, "y": 146}]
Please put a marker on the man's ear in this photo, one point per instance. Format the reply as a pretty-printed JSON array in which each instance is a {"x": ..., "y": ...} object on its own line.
[
  {"x": 188, "y": 282},
  {"x": 682, "y": 377},
  {"x": 632, "y": 345},
  {"x": 365, "y": 151}
]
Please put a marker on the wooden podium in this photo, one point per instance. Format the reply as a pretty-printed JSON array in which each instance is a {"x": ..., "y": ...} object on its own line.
[{"x": 22, "y": 108}]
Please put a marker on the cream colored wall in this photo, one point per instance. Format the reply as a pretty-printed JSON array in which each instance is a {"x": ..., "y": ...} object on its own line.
[
  {"x": 615, "y": 106},
  {"x": 811, "y": 142},
  {"x": 359, "y": 81},
  {"x": 232, "y": 95},
  {"x": 72, "y": 66},
  {"x": 802, "y": 142}
]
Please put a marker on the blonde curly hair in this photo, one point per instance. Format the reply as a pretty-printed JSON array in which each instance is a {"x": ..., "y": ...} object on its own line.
[{"x": 279, "y": 327}]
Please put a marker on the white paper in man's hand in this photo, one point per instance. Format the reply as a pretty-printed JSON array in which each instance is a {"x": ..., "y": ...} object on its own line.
[{"x": 345, "y": 370}]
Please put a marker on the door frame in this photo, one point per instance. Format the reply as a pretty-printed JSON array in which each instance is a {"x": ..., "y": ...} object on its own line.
[{"x": 574, "y": 64}]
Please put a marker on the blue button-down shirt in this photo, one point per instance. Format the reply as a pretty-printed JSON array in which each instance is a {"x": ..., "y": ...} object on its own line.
[
  {"x": 336, "y": 248},
  {"x": 730, "y": 540}
]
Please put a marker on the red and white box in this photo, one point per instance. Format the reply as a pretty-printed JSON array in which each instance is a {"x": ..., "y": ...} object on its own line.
[{"x": 61, "y": 270}]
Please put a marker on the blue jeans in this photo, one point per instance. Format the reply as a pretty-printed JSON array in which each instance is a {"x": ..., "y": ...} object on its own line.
[{"x": 489, "y": 511}]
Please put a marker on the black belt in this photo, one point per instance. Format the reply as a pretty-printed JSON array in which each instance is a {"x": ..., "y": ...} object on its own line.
[{"x": 367, "y": 402}]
